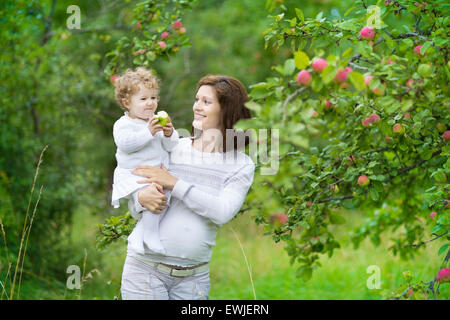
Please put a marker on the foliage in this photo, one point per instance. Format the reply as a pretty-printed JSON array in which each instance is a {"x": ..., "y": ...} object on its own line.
[
  {"x": 114, "y": 228},
  {"x": 327, "y": 145},
  {"x": 158, "y": 34}
]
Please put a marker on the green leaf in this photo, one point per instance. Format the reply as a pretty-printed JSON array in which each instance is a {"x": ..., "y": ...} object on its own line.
[
  {"x": 439, "y": 176},
  {"x": 347, "y": 53},
  {"x": 259, "y": 91},
  {"x": 300, "y": 15},
  {"x": 349, "y": 10},
  {"x": 335, "y": 218},
  {"x": 442, "y": 249},
  {"x": 301, "y": 60},
  {"x": 365, "y": 49},
  {"x": 357, "y": 79},
  {"x": 289, "y": 67},
  {"x": 304, "y": 272},
  {"x": 328, "y": 74},
  {"x": 436, "y": 228},
  {"x": 374, "y": 194},
  {"x": 425, "y": 47}
]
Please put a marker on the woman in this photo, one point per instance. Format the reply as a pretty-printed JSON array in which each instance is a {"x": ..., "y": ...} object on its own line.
[{"x": 209, "y": 180}]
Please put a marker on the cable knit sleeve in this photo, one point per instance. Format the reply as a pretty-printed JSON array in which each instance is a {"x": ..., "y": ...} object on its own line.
[
  {"x": 169, "y": 143},
  {"x": 129, "y": 138},
  {"x": 221, "y": 208}
]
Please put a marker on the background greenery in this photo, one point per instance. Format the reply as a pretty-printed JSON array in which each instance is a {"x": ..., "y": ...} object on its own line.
[{"x": 54, "y": 92}]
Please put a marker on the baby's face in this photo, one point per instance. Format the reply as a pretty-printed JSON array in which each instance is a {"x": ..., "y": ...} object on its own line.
[{"x": 143, "y": 103}]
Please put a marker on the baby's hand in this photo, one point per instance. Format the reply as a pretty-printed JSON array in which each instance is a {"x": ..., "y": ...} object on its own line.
[
  {"x": 153, "y": 126},
  {"x": 168, "y": 128}
]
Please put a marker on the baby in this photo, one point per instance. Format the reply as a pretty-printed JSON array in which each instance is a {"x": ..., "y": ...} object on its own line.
[{"x": 140, "y": 141}]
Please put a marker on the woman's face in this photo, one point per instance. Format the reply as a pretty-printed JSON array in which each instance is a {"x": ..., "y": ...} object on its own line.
[{"x": 206, "y": 109}]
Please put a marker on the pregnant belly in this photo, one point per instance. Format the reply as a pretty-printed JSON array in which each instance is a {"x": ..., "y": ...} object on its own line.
[{"x": 185, "y": 234}]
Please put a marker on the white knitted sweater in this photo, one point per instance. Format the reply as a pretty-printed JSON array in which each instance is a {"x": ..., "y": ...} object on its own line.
[
  {"x": 210, "y": 191},
  {"x": 137, "y": 146}
]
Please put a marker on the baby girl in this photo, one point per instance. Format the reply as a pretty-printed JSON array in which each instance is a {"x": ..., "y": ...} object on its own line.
[{"x": 141, "y": 140}]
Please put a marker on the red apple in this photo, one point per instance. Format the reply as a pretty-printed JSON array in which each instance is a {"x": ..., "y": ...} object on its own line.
[
  {"x": 113, "y": 78},
  {"x": 398, "y": 128},
  {"x": 319, "y": 64},
  {"x": 164, "y": 35},
  {"x": 138, "y": 25},
  {"x": 162, "y": 44},
  {"x": 177, "y": 25},
  {"x": 410, "y": 292},
  {"x": 315, "y": 114},
  {"x": 379, "y": 91},
  {"x": 182, "y": 30},
  {"x": 304, "y": 77},
  {"x": 366, "y": 122},
  {"x": 417, "y": 50},
  {"x": 432, "y": 215},
  {"x": 407, "y": 115},
  {"x": 443, "y": 275},
  {"x": 341, "y": 76},
  {"x": 328, "y": 104},
  {"x": 278, "y": 219},
  {"x": 367, "y": 80},
  {"x": 410, "y": 83},
  {"x": 374, "y": 118},
  {"x": 334, "y": 188},
  {"x": 363, "y": 180},
  {"x": 446, "y": 135},
  {"x": 367, "y": 33}
]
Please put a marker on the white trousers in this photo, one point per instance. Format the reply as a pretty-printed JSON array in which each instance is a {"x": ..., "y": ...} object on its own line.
[{"x": 141, "y": 281}]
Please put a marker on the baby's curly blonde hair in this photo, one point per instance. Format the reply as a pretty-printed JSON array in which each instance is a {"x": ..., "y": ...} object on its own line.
[{"x": 128, "y": 84}]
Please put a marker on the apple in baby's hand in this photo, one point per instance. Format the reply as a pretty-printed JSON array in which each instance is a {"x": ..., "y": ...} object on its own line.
[{"x": 163, "y": 118}]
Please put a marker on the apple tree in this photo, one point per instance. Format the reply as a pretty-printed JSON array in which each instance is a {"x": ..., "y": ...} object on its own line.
[{"x": 362, "y": 111}]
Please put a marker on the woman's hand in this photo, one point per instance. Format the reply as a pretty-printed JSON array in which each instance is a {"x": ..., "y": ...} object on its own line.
[
  {"x": 156, "y": 175},
  {"x": 153, "y": 198}
]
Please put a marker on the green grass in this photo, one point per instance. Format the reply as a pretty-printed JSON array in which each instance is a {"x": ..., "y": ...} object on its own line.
[{"x": 343, "y": 276}]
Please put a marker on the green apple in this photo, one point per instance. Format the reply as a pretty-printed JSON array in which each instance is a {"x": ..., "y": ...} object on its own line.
[
  {"x": 424, "y": 70},
  {"x": 163, "y": 118}
]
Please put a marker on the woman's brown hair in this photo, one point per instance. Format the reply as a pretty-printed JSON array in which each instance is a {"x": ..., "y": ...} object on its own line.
[{"x": 232, "y": 96}]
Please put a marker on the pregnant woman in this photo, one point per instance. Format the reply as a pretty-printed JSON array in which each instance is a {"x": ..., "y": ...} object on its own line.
[{"x": 209, "y": 179}]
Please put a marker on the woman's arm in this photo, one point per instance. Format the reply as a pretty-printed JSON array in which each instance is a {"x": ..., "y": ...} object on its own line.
[{"x": 221, "y": 208}]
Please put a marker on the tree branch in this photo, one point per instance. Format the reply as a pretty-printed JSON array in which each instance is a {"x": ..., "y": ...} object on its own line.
[{"x": 425, "y": 242}]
